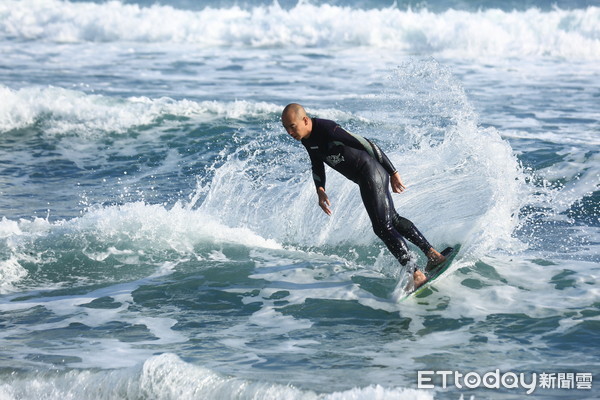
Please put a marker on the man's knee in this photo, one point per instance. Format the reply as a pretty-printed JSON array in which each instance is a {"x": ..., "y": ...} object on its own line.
[
  {"x": 383, "y": 229},
  {"x": 403, "y": 224}
]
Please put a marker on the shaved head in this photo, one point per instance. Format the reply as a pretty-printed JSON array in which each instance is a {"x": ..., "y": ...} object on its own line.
[
  {"x": 296, "y": 122},
  {"x": 293, "y": 110}
]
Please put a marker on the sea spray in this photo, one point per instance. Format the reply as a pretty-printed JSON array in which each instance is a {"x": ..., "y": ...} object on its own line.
[{"x": 448, "y": 162}]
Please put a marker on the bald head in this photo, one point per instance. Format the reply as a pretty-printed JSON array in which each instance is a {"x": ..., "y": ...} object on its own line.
[
  {"x": 296, "y": 122},
  {"x": 293, "y": 110}
]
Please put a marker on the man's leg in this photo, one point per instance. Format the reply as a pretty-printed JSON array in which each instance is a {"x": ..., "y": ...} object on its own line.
[
  {"x": 407, "y": 229},
  {"x": 377, "y": 204},
  {"x": 389, "y": 226}
]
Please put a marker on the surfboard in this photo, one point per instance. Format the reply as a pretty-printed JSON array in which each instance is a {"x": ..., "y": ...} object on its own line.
[{"x": 450, "y": 253}]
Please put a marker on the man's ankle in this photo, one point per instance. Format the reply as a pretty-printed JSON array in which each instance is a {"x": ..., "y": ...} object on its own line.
[{"x": 419, "y": 278}]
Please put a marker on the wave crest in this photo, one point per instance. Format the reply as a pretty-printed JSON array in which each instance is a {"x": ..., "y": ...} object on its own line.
[
  {"x": 63, "y": 111},
  {"x": 491, "y": 32}
]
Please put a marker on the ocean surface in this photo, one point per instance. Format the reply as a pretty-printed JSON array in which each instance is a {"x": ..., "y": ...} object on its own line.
[{"x": 160, "y": 236}]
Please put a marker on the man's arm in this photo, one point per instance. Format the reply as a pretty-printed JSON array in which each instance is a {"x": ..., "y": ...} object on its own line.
[
  {"x": 396, "y": 182},
  {"x": 324, "y": 202},
  {"x": 318, "y": 170},
  {"x": 395, "y": 179},
  {"x": 380, "y": 156}
]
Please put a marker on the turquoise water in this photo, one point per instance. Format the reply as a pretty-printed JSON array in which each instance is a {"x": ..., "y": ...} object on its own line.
[{"x": 159, "y": 232}]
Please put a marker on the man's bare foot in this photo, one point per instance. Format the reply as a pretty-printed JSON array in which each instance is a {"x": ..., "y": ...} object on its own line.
[
  {"x": 419, "y": 278},
  {"x": 434, "y": 259}
]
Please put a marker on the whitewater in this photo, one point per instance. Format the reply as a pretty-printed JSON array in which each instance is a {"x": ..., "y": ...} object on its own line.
[{"x": 160, "y": 235}]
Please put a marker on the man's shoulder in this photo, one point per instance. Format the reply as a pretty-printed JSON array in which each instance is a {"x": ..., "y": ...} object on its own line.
[
  {"x": 324, "y": 127},
  {"x": 324, "y": 122}
]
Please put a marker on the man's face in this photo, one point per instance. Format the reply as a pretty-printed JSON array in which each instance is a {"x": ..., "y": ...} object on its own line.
[{"x": 297, "y": 127}]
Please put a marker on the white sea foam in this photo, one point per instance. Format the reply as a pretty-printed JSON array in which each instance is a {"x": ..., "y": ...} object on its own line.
[
  {"x": 177, "y": 228},
  {"x": 492, "y": 32},
  {"x": 168, "y": 377},
  {"x": 157, "y": 226},
  {"x": 8, "y": 228},
  {"x": 138, "y": 227},
  {"x": 11, "y": 268},
  {"x": 64, "y": 111},
  {"x": 10, "y": 273}
]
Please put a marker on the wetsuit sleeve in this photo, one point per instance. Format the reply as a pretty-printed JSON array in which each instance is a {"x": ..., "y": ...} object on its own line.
[
  {"x": 318, "y": 171},
  {"x": 380, "y": 156},
  {"x": 360, "y": 143}
]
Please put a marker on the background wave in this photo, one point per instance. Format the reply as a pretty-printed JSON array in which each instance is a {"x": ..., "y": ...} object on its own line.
[
  {"x": 487, "y": 32},
  {"x": 64, "y": 112}
]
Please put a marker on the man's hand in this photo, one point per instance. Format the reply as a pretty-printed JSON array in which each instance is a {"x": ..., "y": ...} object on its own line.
[
  {"x": 396, "y": 182},
  {"x": 324, "y": 202}
]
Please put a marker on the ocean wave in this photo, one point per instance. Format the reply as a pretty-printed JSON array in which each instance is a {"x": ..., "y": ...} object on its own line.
[
  {"x": 105, "y": 238},
  {"x": 63, "y": 111},
  {"x": 139, "y": 225},
  {"x": 491, "y": 32},
  {"x": 166, "y": 377}
]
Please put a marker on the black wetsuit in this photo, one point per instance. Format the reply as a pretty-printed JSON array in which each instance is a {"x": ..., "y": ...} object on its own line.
[{"x": 363, "y": 162}]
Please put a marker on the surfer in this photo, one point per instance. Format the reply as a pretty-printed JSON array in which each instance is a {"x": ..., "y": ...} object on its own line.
[{"x": 363, "y": 162}]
